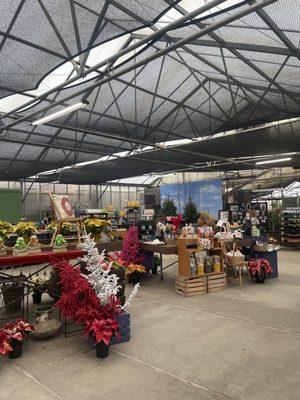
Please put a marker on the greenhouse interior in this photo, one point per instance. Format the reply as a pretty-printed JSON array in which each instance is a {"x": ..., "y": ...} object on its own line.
[{"x": 149, "y": 199}]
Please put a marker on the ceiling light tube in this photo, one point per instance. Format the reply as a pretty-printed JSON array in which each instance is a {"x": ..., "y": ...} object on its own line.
[
  {"x": 273, "y": 161},
  {"x": 57, "y": 114}
]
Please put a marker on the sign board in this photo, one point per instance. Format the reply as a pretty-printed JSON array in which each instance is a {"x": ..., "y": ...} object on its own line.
[{"x": 62, "y": 207}]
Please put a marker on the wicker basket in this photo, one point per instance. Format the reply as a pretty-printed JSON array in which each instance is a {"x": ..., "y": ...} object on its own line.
[{"x": 235, "y": 261}]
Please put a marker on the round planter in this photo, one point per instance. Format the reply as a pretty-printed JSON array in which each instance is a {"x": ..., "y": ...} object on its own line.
[
  {"x": 102, "y": 350},
  {"x": 37, "y": 297},
  {"x": 17, "y": 349},
  {"x": 45, "y": 326}
]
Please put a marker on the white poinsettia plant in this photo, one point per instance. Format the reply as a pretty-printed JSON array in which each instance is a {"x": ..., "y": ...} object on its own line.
[{"x": 104, "y": 283}]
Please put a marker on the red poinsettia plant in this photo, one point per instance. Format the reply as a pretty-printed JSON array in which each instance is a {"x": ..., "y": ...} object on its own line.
[
  {"x": 13, "y": 331},
  {"x": 101, "y": 330},
  {"x": 259, "y": 266},
  {"x": 79, "y": 302}
]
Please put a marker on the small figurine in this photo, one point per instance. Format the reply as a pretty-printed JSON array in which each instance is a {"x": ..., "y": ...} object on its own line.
[
  {"x": 34, "y": 245},
  {"x": 20, "y": 247},
  {"x": 60, "y": 244}
]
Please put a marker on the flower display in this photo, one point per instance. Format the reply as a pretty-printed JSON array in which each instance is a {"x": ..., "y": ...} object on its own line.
[
  {"x": 95, "y": 225},
  {"x": 5, "y": 229},
  {"x": 259, "y": 266},
  {"x": 91, "y": 299},
  {"x": 135, "y": 268},
  {"x": 131, "y": 252},
  {"x": 25, "y": 229},
  {"x": 13, "y": 331}
]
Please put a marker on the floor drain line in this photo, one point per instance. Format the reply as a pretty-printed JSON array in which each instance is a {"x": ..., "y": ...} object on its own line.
[
  {"x": 32, "y": 378},
  {"x": 217, "y": 394}
]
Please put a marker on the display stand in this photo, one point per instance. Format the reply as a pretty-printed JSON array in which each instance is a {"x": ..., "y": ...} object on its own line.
[
  {"x": 187, "y": 247},
  {"x": 79, "y": 229}
]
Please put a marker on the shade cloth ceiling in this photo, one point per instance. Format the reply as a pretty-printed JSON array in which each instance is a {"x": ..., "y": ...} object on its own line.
[{"x": 242, "y": 74}]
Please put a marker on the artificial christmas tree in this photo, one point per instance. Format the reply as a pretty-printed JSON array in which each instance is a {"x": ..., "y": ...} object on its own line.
[
  {"x": 169, "y": 208},
  {"x": 131, "y": 252},
  {"x": 190, "y": 212}
]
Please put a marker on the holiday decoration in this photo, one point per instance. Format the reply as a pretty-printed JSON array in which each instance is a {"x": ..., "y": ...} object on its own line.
[
  {"x": 91, "y": 299},
  {"x": 59, "y": 243},
  {"x": 131, "y": 252},
  {"x": 34, "y": 245},
  {"x": 62, "y": 207},
  {"x": 169, "y": 208},
  {"x": 190, "y": 213},
  {"x": 65, "y": 227}
]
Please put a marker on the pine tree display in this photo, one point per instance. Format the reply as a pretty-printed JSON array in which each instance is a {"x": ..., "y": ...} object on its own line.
[
  {"x": 131, "y": 252},
  {"x": 169, "y": 208},
  {"x": 190, "y": 212}
]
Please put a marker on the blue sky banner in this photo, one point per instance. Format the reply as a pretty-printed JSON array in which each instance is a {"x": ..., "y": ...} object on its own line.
[{"x": 206, "y": 194}]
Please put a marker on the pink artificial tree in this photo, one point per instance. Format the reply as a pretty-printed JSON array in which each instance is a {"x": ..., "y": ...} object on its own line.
[{"x": 131, "y": 252}]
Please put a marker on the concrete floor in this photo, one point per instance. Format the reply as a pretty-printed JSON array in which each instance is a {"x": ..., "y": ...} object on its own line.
[{"x": 227, "y": 345}]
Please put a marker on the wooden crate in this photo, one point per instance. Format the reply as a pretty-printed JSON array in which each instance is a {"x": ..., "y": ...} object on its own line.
[
  {"x": 190, "y": 286},
  {"x": 216, "y": 282}
]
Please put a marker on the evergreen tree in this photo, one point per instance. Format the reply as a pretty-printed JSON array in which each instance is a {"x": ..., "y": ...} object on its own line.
[
  {"x": 169, "y": 208},
  {"x": 190, "y": 213}
]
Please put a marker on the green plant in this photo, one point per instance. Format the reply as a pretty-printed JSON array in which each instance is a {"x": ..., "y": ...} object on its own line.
[
  {"x": 190, "y": 213},
  {"x": 95, "y": 225},
  {"x": 25, "y": 229},
  {"x": 169, "y": 208},
  {"x": 5, "y": 229}
]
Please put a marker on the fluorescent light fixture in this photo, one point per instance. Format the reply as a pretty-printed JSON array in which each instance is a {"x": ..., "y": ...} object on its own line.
[
  {"x": 273, "y": 161},
  {"x": 57, "y": 114}
]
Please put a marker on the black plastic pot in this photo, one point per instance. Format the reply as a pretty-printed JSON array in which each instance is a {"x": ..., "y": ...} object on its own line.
[
  {"x": 260, "y": 278},
  {"x": 154, "y": 270},
  {"x": 134, "y": 278},
  {"x": 17, "y": 349},
  {"x": 102, "y": 350},
  {"x": 37, "y": 297}
]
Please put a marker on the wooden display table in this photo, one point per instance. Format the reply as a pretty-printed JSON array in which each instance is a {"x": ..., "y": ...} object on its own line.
[{"x": 38, "y": 258}]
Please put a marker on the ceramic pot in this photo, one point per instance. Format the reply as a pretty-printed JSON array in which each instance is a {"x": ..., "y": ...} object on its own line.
[
  {"x": 102, "y": 350},
  {"x": 17, "y": 349},
  {"x": 45, "y": 326}
]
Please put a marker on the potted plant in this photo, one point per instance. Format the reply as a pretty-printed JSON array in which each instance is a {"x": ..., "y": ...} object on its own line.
[
  {"x": 134, "y": 272},
  {"x": 2, "y": 247},
  {"x": 259, "y": 268},
  {"x": 38, "y": 286},
  {"x": 100, "y": 332},
  {"x": 25, "y": 230},
  {"x": 5, "y": 230},
  {"x": 95, "y": 227},
  {"x": 155, "y": 264},
  {"x": 90, "y": 298},
  {"x": 12, "y": 336},
  {"x": 65, "y": 227}
]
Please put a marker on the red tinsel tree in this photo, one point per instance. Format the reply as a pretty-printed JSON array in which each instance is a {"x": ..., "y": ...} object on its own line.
[{"x": 131, "y": 252}]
